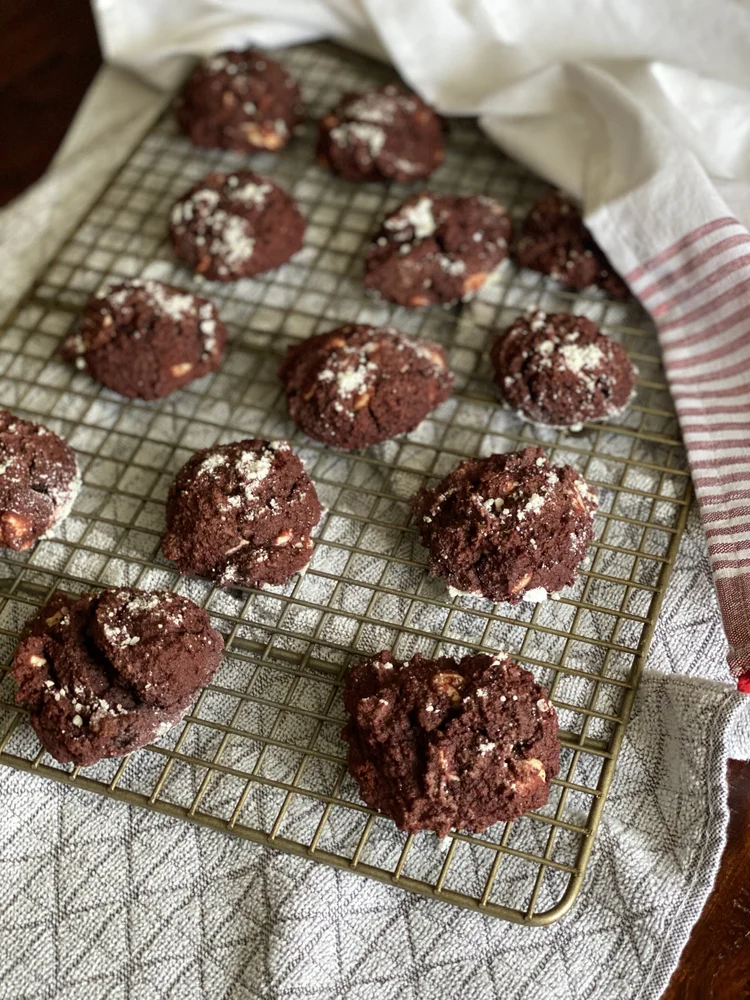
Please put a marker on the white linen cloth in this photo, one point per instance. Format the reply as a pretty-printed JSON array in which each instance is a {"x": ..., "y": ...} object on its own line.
[{"x": 108, "y": 901}]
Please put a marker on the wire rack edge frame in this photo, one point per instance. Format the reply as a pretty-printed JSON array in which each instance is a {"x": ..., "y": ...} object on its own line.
[{"x": 396, "y": 878}]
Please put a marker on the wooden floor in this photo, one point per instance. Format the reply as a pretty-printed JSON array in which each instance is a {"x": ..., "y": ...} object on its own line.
[{"x": 48, "y": 56}]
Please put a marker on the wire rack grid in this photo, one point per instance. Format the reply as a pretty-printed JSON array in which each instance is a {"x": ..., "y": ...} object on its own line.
[{"x": 259, "y": 754}]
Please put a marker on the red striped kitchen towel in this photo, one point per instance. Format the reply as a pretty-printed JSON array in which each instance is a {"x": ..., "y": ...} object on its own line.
[{"x": 698, "y": 291}]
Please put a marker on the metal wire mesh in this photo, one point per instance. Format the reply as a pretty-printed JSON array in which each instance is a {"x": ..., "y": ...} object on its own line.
[{"x": 260, "y": 754}]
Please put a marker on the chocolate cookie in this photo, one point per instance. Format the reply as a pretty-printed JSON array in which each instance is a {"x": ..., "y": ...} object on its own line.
[
  {"x": 381, "y": 135},
  {"x": 555, "y": 241},
  {"x": 508, "y": 527},
  {"x": 242, "y": 514},
  {"x": 437, "y": 249},
  {"x": 145, "y": 339},
  {"x": 230, "y": 226},
  {"x": 39, "y": 481},
  {"x": 104, "y": 674},
  {"x": 359, "y": 385},
  {"x": 560, "y": 370},
  {"x": 242, "y": 101},
  {"x": 436, "y": 744}
]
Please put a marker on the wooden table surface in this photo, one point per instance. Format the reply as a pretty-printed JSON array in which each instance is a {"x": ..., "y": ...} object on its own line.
[{"x": 48, "y": 56}]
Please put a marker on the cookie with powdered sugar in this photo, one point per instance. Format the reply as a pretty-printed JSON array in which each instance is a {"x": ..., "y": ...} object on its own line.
[
  {"x": 39, "y": 481},
  {"x": 555, "y": 241},
  {"x": 359, "y": 385},
  {"x": 437, "y": 250},
  {"x": 443, "y": 743},
  {"x": 381, "y": 135},
  {"x": 235, "y": 225},
  {"x": 103, "y": 674},
  {"x": 146, "y": 339},
  {"x": 241, "y": 514},
  {"x": 560, "y": 370},
  {"x": 508, "y": 527},
  {"x": 241, "y": 101}
]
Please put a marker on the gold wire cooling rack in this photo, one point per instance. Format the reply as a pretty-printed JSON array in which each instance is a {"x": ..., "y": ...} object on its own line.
[{"x": 260, "y": 754}]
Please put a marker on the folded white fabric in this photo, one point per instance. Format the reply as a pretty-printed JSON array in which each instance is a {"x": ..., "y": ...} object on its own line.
[{"x": 641, "y": 110}]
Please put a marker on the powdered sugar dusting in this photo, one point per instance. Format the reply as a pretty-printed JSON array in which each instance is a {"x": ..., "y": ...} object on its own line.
[
  {"x": 371, "y": 135},
  {"x": 537, "y": 595},
  {"x": 231, "y": 238},
  {"x": 578, "y": 357},
  {"x": 532, "y": 506},
  {"x": 178, "y": 305},
  {"x": 375, "y": 107},
  {"x": 352, "y": 380},
  {"x": 171, "y": 302},
  {"x": 453, "y": 267},
  {"x": 354, "y": 367},
  {"x": 419, "y": 216},
  {"x": 535, "y": 504},
  {"x": 211, "y": 463},
  {"x": 221, "y": 218},
  {"x": 253, "y": 468},
  {"x": 63, "y": 495},
  {"x": 146, "y": 602},
  {"x": 252, "y": 194}
]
